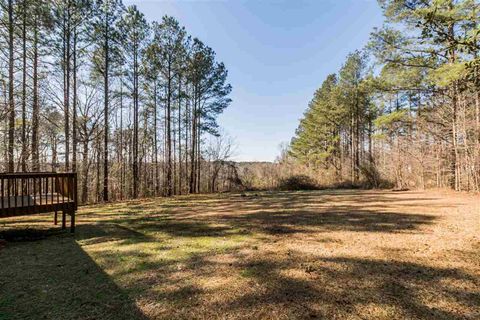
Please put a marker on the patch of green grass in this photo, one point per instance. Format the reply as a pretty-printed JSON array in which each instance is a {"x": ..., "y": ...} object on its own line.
[{"x": 248, "y": 273}]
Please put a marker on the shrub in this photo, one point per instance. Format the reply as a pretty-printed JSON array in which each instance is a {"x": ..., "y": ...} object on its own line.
[{"x": 297, "y": 182}]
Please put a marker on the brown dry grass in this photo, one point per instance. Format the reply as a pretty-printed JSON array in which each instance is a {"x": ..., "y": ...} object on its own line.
[{"x": 283, "y": 255}]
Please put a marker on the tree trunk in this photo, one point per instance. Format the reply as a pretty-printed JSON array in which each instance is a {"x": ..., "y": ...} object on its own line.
[
  {"x": 193, "y": 147},
  {"x": 155, "y": 139},
  {"x": 74, "y": 104},
  {"x": 199, "y": 154},
  {"x": 187, "y": 126},
  {"x": 85, "y": 170},
  {"x": 179, "y": 135},
  {"x": 135, "y": 129},
  {"x": 121, "y": 147},
  {"x": 36, "y": 108},
  {"x": 11, "y": 102},
  {"x": 352, "y": 148},
  {"x": 169, "y": 134},
  {"x": 54, "y": 153},
  {"x": 99, "y": 150},
  {"x": 24, "y": 87},
  {"x": 66, "y": 89},
  {"x": 105, "y": 113}
]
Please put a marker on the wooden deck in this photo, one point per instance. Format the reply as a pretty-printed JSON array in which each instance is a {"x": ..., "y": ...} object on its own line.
[{"x": 33, "y": 193}]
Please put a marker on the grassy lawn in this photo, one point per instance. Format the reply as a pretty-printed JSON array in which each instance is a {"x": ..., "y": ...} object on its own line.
[{"x": 283, "y": 255}]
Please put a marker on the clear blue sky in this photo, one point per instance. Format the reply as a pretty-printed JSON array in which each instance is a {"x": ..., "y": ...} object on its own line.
[{"x": 277, "y": 53}]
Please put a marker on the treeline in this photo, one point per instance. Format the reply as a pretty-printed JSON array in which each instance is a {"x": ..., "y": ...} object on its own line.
[
  {"x": 90, "y": 86},
  {"x": 406, "y": 109}
]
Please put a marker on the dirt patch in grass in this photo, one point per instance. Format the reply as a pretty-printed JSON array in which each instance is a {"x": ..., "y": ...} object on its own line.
[{"x": 346, "y": 254}]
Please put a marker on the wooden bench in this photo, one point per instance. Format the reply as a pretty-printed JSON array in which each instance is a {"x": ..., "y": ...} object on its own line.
[{"x": 39, "y": 192}]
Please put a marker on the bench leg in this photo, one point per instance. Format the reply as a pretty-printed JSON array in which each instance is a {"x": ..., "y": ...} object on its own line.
[
  {"x": 64, "y": 223},
  {"x": 72, "y": 221},
  {"x": 56, "y": 218}
]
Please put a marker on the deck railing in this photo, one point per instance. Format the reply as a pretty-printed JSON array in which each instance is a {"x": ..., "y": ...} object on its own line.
[{"x": 31, "y": 193}]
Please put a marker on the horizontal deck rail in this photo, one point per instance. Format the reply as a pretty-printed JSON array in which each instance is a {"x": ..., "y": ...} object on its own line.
[{"x": 38, "y": 192}]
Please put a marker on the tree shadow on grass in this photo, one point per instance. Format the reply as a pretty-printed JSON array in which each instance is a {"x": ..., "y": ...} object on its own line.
[
  {"x": 283, "y": 222},
  {"x": 95, "y": 233},
  {"x": 338, "y": 218},
  {"x": 340, "y": 287},
  {"x": 28, "y": 234},
  {"x": 185, "y": 228},
  {"x": 299, "y": 286},
  {"x": 221, "y": 219},
  {"x": 55, "y": 279},
  {"x": 299, "y": 199}
]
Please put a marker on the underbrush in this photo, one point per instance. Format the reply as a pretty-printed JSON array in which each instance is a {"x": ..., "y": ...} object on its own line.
[
  {"x": 297, "y": 182},
  {"x": 305, "y": 182}
]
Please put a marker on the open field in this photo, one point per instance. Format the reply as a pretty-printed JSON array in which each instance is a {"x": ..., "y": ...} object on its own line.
[{"x": 320, "y": 254}]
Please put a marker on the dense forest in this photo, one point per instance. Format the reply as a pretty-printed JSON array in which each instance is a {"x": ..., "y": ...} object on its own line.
[
  {"x": 92, "y": 87},
  {"x": 405, "y": 110}
]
